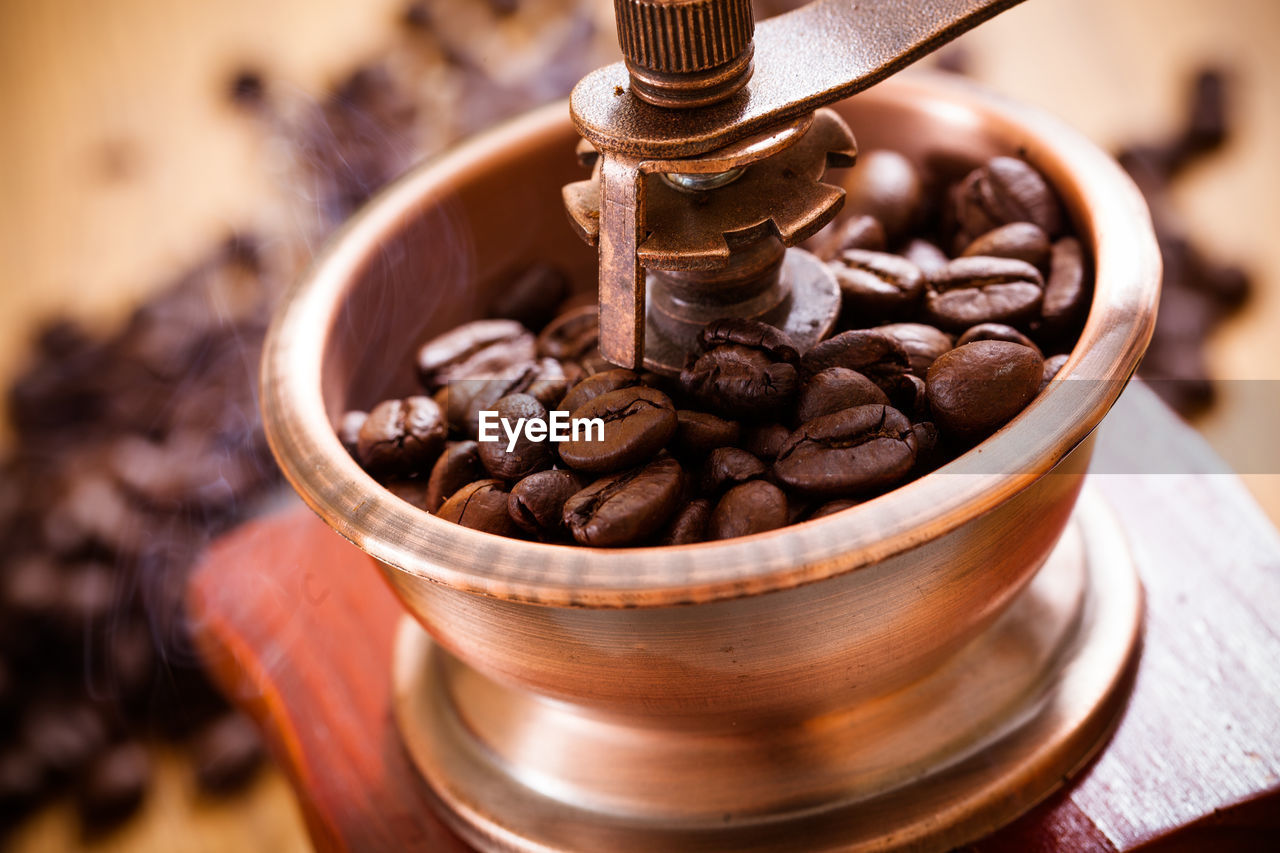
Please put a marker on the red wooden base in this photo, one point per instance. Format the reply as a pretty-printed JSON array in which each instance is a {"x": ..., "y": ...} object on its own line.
[{"x": 298, "y": 627}]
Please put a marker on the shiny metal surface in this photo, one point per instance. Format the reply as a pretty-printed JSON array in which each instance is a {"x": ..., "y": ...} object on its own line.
[
  {"x": 804, "y": 59},
  {"x": 795, "y": 624},
  {"x": 708, "y": 240},
  {"x": 957, "y": 753},
  {"x": 697, "y": 54}
]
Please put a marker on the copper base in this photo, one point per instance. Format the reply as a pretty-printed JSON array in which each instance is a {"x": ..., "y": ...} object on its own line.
[{"x": 939, "y": 763}]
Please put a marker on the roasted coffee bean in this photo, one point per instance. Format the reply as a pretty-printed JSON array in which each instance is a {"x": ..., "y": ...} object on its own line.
[
  {"x": 871, "y": 352},
  {"x": 64, "y": 738},
  {"x": 402, "y": 436},
  {"x": 458, "y": 465},
  {"x": 31, "y": 591},
  {"x": 832, "y": 507},
  {"x": 596, "y": 384},
  {"x": 543, "y": 379},
  {"x": 530, "y": 297},
  {"x": 995, "y": 332},
  {"x": 1022, "y": 241},
  {"x": 529, "y": 453},
  {"x": 572, "y": 336},
  {"x": 913, "y": 398},
  {"x": 1066, "y": 293},
  {"x": 247, "y": 89},
  {"x": 91, "y": 513},
  {"x": 902, "y": 391},
  {"x": 856, "y": 232},
  {"x": 955, "y": 58},
  {"x": 1187, "y": 313},
  {"x": 6, "y": 691},
  {"x": 549, "y": 383},
  {"x": 86, "y": 598},
  {"x": 922, "y": 342},
  {"x": 131, "y": 664},
  {"x": 764, "y": 441},
  {"x": 970, "y": 291},
  {"x": 698, "y": 433},
  {"x": 751, "y": 507},
  {"x": 1229, "y": 286},
  {"x": 1207, "y": 122},
  {"x": 729, "y": 466},
  {"x": 876, "y": 287},
  {"x": 536, "y": 503},
  {"x": 627, "y": 508},
  {"x": 833, "y": 389},
  {"x": 349, "y": 429},
  {"x": 1181, "y": 375},
  {"x": 22, "y": 782},
  {"x": 114, "y": 785},
  {"x": 356, "y": 139},
  {"x": 927, "y": 439},
  {"x": 638, "y": 422},
  {"x": 741, "y": 381},
  {"x": 885, "y": 185},
  {"x": 926, "y": 256},
  {"x": 1006, "y": 190},
  {"x": 462, "y": 400},
  {"x": 689, "y": 524},
  {"x": 181, "y": 332},
  {"x": 479, "y": 349},
  {"x": 978, "y": 388},
  {"x": 1052, "y": 367},
  {"x": 770, "y": 340},
  {"x": 227, "y": 753},
  {"x": 1150, "y": 166},
  {"x": 55, "y": 392},
  {"x": 854, "y": 451},
  {"x": 481, "y": 505},
  {"x": 189, "y": 468}
]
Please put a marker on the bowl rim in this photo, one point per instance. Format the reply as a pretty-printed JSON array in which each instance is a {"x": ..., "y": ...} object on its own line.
[{"x": 1114, "y": 222}]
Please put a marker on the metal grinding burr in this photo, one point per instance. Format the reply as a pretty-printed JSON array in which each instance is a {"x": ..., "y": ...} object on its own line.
[{"x": 708, "y": 145}]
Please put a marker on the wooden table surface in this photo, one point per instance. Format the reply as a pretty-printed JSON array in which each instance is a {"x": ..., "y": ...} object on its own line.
[{"x": 120, "y": 162}]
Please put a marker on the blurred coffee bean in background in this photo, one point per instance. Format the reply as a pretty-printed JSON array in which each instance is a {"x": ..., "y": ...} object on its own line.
[
  {"x": 134, "y": 448},
  {"x": 1199, "y": 289}
]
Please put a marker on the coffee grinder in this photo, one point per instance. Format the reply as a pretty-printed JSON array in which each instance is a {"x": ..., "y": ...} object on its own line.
[{"x": 913, "y": 672}]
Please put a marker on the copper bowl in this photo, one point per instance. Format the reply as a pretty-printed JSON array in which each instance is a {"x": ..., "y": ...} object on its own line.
[{"x": 755, "y": 634}]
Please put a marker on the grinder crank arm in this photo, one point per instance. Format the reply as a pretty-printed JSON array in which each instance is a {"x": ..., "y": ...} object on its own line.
[{"x": 804, "y": 59}]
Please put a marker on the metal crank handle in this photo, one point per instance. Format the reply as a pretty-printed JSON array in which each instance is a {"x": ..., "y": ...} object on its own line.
[
  {"x": 697, "y": 80},
  {"x": 804, "y": 59}
]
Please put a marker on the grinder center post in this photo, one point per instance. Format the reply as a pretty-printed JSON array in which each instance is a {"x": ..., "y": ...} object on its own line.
[{"x": 704, "y": 172}]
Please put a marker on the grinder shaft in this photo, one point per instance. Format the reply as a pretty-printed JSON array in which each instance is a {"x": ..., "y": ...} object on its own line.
[{"x": 709, "y": 159}]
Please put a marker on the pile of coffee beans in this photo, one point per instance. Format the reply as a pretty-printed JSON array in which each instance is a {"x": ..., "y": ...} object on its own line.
[
  {"x": 1198, "y": 292},
  {"x": 132, "y": 451},
  {"x": 132, "y": 448},
  {"x": 953, "y": 292}
]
